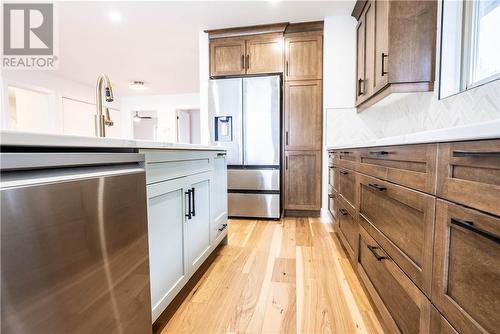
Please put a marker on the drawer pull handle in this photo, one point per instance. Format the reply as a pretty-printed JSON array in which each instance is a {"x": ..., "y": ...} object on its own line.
[
  {"x": 374, "y": 252},
  {"x": 476, "y": 154},
  {"x": 379, "y": 152},
  {"x": 344, "y": 172},
  {"x": 331, "y": 195},
  {"x": 221, "y": 154},
  {"x": 344, "y": 212},
  {"x": 377, "y": 186},
  {"x": 470, "y": 226},
  {"x": 345, "y": 152},
  {"x": 222, "y": 228}
]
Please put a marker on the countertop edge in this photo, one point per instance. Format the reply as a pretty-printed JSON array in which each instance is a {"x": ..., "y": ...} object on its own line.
[
  {"x": 9, "y": 138},
  {"x": 479, "y": 131}
]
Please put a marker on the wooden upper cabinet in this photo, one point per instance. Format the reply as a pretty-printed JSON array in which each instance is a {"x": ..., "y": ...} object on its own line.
[
  {"x": 360, "y": 58},
  {"x": 381, "y": 39},
  {"x": 395, "y": 48},
  {"x": 303, "y": 115},
  {"x": 257, "y": 54},
  {"x": 264, "y": 54},
  {"x": 303, "y": 180},
  {"x": 227, "y": 56},
  {"x": 304, "y": 56}
]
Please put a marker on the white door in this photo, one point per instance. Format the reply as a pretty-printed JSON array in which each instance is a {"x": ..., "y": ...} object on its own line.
[
  {"x": 183, "y": 127},
  {"x": 198, "y": 224},
  {"x": 219, "y": 195},
  {"x": 166, "y": 231}
]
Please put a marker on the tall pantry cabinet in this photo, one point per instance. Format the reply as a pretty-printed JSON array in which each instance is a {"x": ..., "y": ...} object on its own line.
[
  {"x": 296, "y": 52},
  {"x": 303, "y": 118}
]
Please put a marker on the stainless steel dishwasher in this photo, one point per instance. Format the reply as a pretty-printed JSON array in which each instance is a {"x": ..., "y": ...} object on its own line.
[{"x": 74, "y": 247}]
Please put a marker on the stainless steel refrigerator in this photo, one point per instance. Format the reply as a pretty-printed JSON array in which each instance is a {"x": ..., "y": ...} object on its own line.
[{"x": 244, "y": 117}]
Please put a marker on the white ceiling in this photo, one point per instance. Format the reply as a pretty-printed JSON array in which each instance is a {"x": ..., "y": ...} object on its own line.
[{"x": 157, "y": 42}]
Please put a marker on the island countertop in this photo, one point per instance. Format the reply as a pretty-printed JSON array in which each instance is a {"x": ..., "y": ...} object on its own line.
[{"x": 32, "y": 139}]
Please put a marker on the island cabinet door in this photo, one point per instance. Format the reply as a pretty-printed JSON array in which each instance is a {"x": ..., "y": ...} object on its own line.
[
  {"x": 219, "y": 199},
  {"x": 198, "y": 220},
  {"x": 466, "y": 274},
  {"x": 166, "y": 232}
]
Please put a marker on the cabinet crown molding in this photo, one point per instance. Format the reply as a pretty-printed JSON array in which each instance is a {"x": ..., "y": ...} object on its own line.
[{"x": 247, "y": 31}]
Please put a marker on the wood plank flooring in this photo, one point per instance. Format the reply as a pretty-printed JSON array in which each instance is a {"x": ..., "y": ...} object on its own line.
[{"x": 288, "y": 276}]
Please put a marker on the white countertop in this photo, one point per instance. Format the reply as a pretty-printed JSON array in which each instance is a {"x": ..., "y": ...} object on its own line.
[
  {"x": 32, "y": 139},
  {"x": 477, "y": 131}
]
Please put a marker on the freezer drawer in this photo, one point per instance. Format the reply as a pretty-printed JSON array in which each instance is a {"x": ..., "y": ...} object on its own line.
[
  {"x": 254, "y": 205},
  {"x": 253, "y": 179}
]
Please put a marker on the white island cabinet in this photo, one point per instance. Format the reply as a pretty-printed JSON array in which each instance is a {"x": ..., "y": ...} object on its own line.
[{"x": 187, "y": 216}]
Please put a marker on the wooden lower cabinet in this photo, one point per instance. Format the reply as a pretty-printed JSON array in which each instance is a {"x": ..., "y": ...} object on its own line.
[
  {"x": 466, "y": 287},
  {"x": 348, "y": 186},
  {"x": 303, "y": 180},
  {"x": 438, "y": 324},
  {"x": 402, "y": 221},
  {"x": 347, "y": 227},
  {"x": 469, "y": 173},
  {"x": 402, "y": 306}
]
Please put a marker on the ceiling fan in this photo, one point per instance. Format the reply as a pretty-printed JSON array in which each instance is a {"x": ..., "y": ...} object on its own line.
[{"x": 138, "y": 118}]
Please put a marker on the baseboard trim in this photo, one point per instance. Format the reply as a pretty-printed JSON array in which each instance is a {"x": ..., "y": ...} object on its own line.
[{"x": 302, "y": 213}]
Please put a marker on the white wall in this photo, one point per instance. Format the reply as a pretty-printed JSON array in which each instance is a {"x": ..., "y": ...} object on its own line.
[
  {"x": 203, "y": 49},
  {"x": 67, "y": 100},
  {"x": 339, "y": 54},
  {"x": 165, "y": 106}
]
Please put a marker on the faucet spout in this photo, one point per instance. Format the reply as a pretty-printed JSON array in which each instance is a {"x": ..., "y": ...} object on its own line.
[{"x": 101, "y": 119}]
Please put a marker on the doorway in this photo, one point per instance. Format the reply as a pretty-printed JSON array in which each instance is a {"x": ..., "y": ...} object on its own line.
[{"x": 188, "y": 126}]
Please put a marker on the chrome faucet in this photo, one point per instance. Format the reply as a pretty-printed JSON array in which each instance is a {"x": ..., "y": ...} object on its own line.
[{"x": 102, "y": 120}]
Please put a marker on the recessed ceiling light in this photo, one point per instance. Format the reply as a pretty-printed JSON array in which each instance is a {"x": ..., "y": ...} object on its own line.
[
  {"x": 115, "y": 16},
  {"x": 138, "y": 85}
]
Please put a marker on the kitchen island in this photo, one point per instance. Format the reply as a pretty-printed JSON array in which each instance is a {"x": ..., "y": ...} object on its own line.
[{"x": 185, "y": 195}]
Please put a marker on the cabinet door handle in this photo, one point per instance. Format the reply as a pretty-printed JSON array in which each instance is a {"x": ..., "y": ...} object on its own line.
[
  {"x": 360, "y": 92},
  {"x": 476, "y": 154},
  {"x": 286, "y": 138},
  {"x": 193, "y": 212},
  {"x": 331, "y": 196},
  {"x": 383, "y": 62},
  {"x": 242, "y": 62},
  {"x": 286, "y": 162},
  {"x": 344, "y": 212},
  {"x": 286, "y": 68},
  {"x": 374, "y": 252},
  {"x": 188, "y": 193},
  {"x": 470, "y": 226},
  {"x": 377, "y": 186},
  {"x": 248, "y": 62},
  {"x": 379, "y": 152}
]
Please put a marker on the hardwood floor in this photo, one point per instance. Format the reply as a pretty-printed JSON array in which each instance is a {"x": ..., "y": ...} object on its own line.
[{"x": 290, "y": 276}]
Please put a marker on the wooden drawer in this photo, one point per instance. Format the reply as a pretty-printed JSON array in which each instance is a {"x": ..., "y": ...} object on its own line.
[
  {"x": 402, "y": 222},
  {"x": 347, "y": 227},
  {"x": 469, "y": 173},
  {"x": 438, "y": 324},
  {"x": 347, "y": 185},
  {"x": 412, "y": 166},
  {"x": 466, "y": 278},
  {"x": 403, "y": 307},
  {"x": 333, "y": 177},
  {"x": 333, "y": 204},
  {"x": 346, "y": 158}
]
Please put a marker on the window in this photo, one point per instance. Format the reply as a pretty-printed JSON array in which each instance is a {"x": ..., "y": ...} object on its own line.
[{"x": 470, "y": 44}]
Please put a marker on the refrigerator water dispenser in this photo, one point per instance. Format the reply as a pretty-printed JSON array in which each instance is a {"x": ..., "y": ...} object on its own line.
[{"x": 223, "y": 128}]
